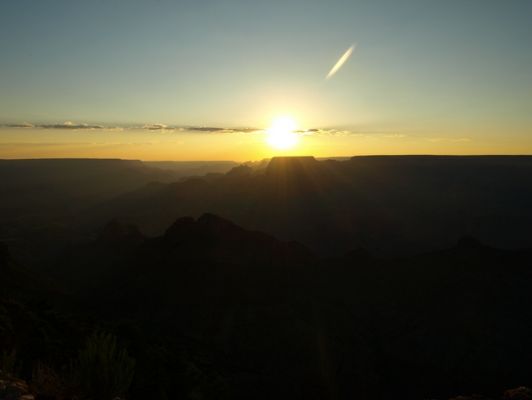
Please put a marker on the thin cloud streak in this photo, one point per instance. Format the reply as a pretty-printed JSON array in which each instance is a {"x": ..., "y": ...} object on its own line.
[
  {"x": 23, "y": 125},
  {"x": 64, "y": 125},
  {"x": 68, "y": 125},
  {"x": 192, "y": 129},
  {"x": 341, "y": 62}
]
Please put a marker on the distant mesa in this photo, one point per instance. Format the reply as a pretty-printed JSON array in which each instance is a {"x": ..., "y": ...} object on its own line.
[
  {"x": 283, "y": 164},
  {"x": 292, "y": 160}
]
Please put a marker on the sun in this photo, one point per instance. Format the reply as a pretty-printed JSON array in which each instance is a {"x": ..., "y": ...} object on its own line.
[{"x": 281, "y": 133}]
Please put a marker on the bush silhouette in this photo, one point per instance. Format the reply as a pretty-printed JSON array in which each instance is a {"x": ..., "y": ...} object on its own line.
[
  {"x": 8, "y": 362},
  {"x": 103, "y": 369}
]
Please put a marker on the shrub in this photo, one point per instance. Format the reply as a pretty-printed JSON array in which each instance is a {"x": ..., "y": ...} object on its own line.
[
  {"x": 103, "y": 369},
  {"x": 8, "y": 362}
]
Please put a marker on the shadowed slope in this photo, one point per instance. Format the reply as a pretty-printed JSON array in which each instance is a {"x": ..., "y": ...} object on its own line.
[{"x": 390, "y": 205}]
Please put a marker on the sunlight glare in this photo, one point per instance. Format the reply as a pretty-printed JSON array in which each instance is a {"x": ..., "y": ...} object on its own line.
[{"x": 281, "y": 133}]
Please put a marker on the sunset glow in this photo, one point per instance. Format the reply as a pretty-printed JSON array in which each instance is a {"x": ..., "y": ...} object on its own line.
[
  {"x": 244, "y": 81},
  {"x": 281, "y": 133}
]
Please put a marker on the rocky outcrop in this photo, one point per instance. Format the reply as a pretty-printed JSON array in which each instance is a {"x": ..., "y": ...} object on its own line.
[
  {"x": 120, "y": 232},
  {"x": 221, "y": 240},
  {"x": 14, "y": 389},
  {"x": 519, "y": 393}
]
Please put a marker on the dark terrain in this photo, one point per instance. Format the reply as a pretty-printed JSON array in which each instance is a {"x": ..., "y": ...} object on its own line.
[
  {"x": 394, "y": 277},
  {"x": 391, "y": 205}
]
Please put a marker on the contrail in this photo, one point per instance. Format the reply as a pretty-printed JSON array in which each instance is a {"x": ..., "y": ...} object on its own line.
[{"x": 341, "y": 62}]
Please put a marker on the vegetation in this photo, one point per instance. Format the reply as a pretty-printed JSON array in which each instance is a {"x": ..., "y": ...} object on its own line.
[
  {"x": 8, "y": 362},
  {"x": 103, "y": 369}
]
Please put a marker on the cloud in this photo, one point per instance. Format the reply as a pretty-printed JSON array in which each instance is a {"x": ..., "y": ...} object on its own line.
[
  {"x": 205, "y": 129},
  {"x": 69, "y": 125},
  {"x": 63, "y": 125},
  {"x": 155, "y": 127},
  {"x": 195, "y": 129},
  {"x": 214, "y": 129},
  {"x": 329, "y": 132},
  {"x": 191, "y": 129},
  {"x": 22, "y": 125}
]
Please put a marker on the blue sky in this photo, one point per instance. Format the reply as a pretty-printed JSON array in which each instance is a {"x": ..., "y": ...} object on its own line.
[{"x": 426, "y": 68}]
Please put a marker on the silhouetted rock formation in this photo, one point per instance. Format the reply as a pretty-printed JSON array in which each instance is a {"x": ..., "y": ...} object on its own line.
[
  {"x": 250, "y": 302},
  {"x": 119, "y": 232},
  {"x": 389, "y": 205},
  {"x": 242, "y": 170},
  {"x": 62, "y": 187},
  {"x": 222, "y": 240},
  {"x": 214, "y": 308},
  {"x": 519, "y": 393},
  {"x": 282, "y": 166}
]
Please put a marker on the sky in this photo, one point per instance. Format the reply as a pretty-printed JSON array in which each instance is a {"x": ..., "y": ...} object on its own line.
[{"x": 203, "y": 80}]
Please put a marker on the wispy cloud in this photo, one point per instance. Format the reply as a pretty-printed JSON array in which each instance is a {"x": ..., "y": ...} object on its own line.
[
  {"x": 148, "y": 126},
  {"x": 63, "y": 125},
  {"x": 206, "y": 129},
  {"x": 214, "y": 129},
  {"x": 198, "y": 129},
  {"x": 22, "y": 125},
  {"x": 69, "y": 125},
  {"x": 155, "y": 127}
]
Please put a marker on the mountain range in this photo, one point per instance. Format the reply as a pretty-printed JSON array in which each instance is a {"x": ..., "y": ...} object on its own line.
[
  {"x": 372, "y": 277},
  {"x": 257, "y": 317}
]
